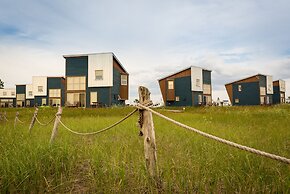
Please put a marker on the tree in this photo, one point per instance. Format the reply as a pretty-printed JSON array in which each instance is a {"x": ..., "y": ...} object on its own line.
[{"x": 1, "y": 84}]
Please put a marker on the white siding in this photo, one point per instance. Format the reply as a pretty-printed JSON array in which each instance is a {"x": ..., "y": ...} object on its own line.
[
  {"x": 102, "y": 61},
  {"x": 282, "y": 85},
  {"x": 8, "y": 93},
  {"x": 269, "y": 84},
  {"x": 39, "y": 81},
  {"x": 29, "y": 87},
  {"x": 196, "y": 79}
]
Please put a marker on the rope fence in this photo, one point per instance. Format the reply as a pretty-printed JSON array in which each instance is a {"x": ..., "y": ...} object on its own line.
[
  {"x": 44, "y": 124},
  {"x": 218, "y": 139}
]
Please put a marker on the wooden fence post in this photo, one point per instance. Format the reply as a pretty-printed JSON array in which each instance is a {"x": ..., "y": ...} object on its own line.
[
  {"x": 1, "y": 117},
  {"x": 16, "y": 118},
  {"x": 33, "y": 119},
  {"x": 56, "y": 122},
  {"x": 147, "y": 129}
]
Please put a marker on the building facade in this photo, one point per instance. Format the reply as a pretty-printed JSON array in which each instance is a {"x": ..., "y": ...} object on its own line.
[
  {"x": 279, "y": 87},
  {"x": 254, "y": 90},
  {"x": 7, "y": 97},
  {"x": 93, "y": 80},
  {"x": 188, "y": 87}
]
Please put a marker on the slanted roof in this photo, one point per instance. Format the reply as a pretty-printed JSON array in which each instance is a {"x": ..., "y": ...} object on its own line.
[
  {"x": 245, "y": 78},
  {"x": 85, "y": 55},
  {"x": 181, "y": 71}
]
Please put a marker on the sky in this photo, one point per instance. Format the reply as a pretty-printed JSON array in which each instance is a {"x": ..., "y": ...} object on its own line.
[{"x": 233, "y": 38}]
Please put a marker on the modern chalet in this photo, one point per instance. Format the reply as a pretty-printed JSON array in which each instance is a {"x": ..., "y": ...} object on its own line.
[
  {"x": 188, "y": 87},
  {"x": 253, "y": 90},
  {"x": 43, "y": 91},
  {"x": 279, "y": 92},
  {"x": 7, "y": 97},
  {"x": 94, "y": 80}
]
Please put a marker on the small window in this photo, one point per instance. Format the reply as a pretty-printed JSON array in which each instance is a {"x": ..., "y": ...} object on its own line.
[
  {"x": 197, "y": 82},
  {"x": 199, "y": 99},
  {"x": 40, "y": 88},
  {"x": 124, "y": 80},
  {"x": 30, "y": 93},
  {"x": 4, "y": 93},
  {"x": 239, "y": 88},
  {"x": 170, "y": 85},
  {"x": 94, "y": 97},
  {"x": 237, "y": 100},
  {"x": 99, "y": 74},
  {"x": 43, "y": 101},
  {"x": 177, "y": 98}
]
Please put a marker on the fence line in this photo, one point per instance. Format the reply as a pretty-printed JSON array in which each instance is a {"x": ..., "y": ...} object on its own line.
[
  {"x": 99, "y": 131},
  {"x": 227, "y": 142}
]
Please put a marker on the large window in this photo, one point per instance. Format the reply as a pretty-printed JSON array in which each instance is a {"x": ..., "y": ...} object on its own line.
[
  {"x": 54, "y": 93},
  {"x": 170, "y": 85},
  {"x": 99, "y": 74},
  {"x": 76, "y": 99},
  {"x": 124, "y": 81},
  {"x": 20, "y": 97},
  {"x": 94, "y": 98},
  {"x": 206, "y": 89},
  {"x": 76, "y": 83}
]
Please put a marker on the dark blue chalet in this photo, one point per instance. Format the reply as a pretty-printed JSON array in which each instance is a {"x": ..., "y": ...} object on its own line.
[
  {"x": 188, "y": 87},
  {"x": 93, "y": 80},
  {"x": 254, "y": 90}
]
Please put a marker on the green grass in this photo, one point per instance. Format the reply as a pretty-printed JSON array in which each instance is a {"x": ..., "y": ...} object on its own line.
[{"x": 113, "y": 161}]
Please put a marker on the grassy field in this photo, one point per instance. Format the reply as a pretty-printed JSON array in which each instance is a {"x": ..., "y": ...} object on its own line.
[{"x": 113, "y": 161}]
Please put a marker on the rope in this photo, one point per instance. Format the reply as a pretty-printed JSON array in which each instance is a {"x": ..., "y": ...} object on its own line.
[
  {"x": 44, "y": 124},
  {"x": 236, "y": 145},
  {"x": 5, "y": 118},
  {"x": 100, "y": 131},
  {"x": 22, "y": 122}
]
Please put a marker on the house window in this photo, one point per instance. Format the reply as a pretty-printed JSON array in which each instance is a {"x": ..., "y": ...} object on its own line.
[
  {"x": 94, "y": 97},
  {"x": 40, "y": 88},
  {"x": 207, "y": 89},
  {"x": 199, "y": 99},
  {"x": 54, "y": 102},
  {"x": 124, "y": 80},
  {"x": 239, "y": 88},
  {"x": 262, "y": 100},
  {"x": 4, "y": 93},
  {"x": 30, "y": 93},
  {"x": 76, "y": 83},
  {"x": 99, "y": 74},
  {"x": 27, "y": 102},
  {"x": 197, "y": 83},
  {"x": 262, "y": 91},
  {"x": 170, "y": 85},
  {"x": 54, "y": 93},
  {"x": 177, "y": 98},
  {"x": 237, "y": 100},
  {"x": 20, "y": 97},
  {"x": 43, "y": 101}
]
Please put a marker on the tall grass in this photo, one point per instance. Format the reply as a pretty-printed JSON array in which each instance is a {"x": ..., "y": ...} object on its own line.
[{"x": 113, "y": 161}]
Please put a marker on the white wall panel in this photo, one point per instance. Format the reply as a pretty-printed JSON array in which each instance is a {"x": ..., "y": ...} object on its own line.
[
  {"x": 39, "y": 81},
  {"x": 29, "y": 87},
  {"x": 8, "y": 93},
  {"x": 269, "y": 84},
  {"x": 282, "y": 85},
  {"x": 196, "y": 79},
  {"x": 100, "y": 61}
]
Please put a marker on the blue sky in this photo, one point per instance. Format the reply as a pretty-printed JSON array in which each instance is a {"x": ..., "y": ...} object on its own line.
[{"x": 151, "y": 38}]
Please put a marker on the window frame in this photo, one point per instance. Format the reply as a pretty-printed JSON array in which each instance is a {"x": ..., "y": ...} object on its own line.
[
  {"x": 99, "y": 77},
  {"x": 170, "y": 86},
  {"x": 124, "y": 80}
]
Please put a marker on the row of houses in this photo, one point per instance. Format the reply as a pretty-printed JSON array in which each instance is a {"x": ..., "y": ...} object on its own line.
[{"x": 99, "y": 79}]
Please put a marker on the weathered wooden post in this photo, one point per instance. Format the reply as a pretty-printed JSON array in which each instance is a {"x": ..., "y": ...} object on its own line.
[
  {"x": 56, "y": 122},
  {"x": 16, "y": 118},
  {"x": 1, "y": 117},
  {"x": 33, "y": 119},
  {"x": 147, "y": 130}
]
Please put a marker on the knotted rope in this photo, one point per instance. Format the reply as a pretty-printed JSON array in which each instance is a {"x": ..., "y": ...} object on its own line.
[
  {"x": 218, "y": 139},
  {"x": 100, "y": 131}
]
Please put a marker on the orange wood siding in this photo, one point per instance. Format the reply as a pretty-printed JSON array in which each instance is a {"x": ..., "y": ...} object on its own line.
[
  {"x": 254, "y": 78},
  {"x": 276, "y": 83},
  {"x": 124, "y": 90},
  {"x": 162, "y": 85},
  {"x": 229, "y": 89}
]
